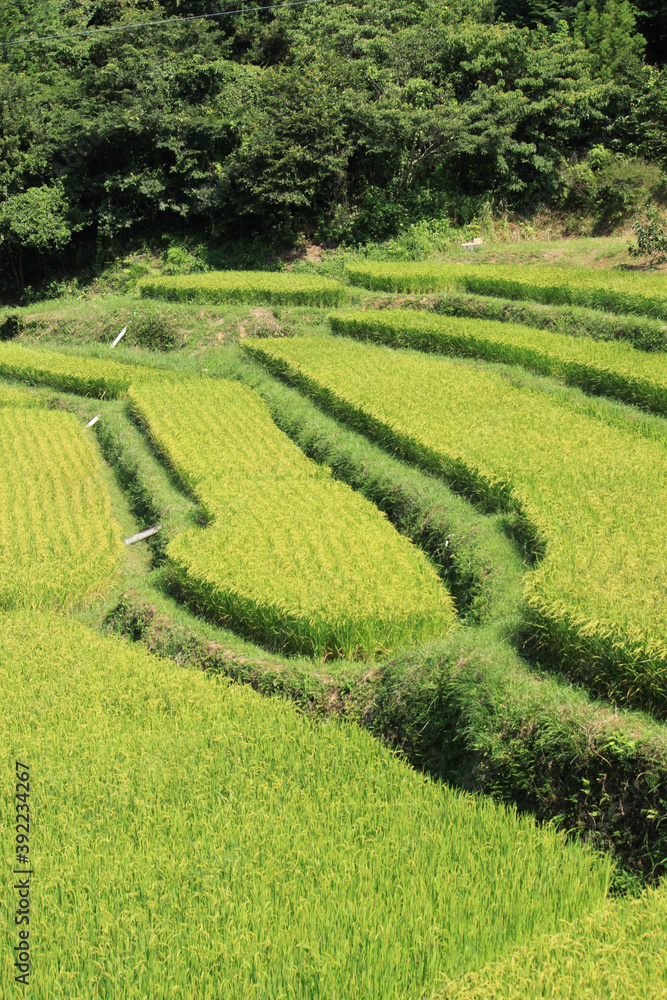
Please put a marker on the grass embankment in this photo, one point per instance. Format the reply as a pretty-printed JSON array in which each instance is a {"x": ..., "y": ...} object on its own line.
[
  {"x": 580, "y": 488},
  {"x": 59, "y": 544},
  {"x": 231, "y": 812},
  {"x": 610, "y": 291},
  {"x": 616, "y": 370},
  {"x": 291, "y": 557},
  {"x": 245, "y": 286}
]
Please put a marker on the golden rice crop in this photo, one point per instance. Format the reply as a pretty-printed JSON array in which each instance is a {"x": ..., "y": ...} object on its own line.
[
  {"x": 591, "y": 497},
  {"x": 11, "y": 396},
  {"x": 610, "y": 368},
  {"x": 245, "y": 286},
  {"x": 58, "y": 541},
  {"x": 86, "y": 376},
  {"x": 616, "y": 952},
  {"x": 613, "y": 291},
  {"x": 292, "y": 557},
  {"x": 192, "y": 840}
]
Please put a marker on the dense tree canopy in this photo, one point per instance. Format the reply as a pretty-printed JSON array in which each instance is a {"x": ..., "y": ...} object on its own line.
[{"x": 342, "y": 120}]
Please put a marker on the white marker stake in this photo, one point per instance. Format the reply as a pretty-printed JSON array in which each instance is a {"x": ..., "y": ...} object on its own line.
[
  {"x": 121, "y": 334},
  {"x": 94, "y": 420},
  {"x": 143, "y": 534}
]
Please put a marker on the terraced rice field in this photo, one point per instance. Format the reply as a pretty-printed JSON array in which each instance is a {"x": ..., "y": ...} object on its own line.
[
  {"x": 59, "y": 544},
  {"x": 613, "y": 369},
  {"x": 245, "y": 286},
  {"x": 193, "y": 839},
  {"x": 617, "y": 292},
  {"x": 581, "y": 490},
  {"x": 292, "y": 557},
  {"x": 190, "y": 838}
]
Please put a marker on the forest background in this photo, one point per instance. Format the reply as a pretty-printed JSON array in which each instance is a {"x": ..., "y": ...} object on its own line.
[{"x": 339, "y": 122}]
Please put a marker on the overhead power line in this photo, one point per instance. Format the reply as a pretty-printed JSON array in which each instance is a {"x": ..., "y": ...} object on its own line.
[{"x": 149, "y": 24}]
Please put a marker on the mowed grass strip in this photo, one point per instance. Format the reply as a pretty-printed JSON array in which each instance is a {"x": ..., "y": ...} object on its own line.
[
  {"x": 59, "y": 543},
  {"x": 104, "y": 379},
  {"x": 194, "y": 840},
  {"x": 292, "y": 558},
  {"x": 245, "y": 286},
  {"x": 616, "y": 952},
  {"x": 616, "y": 370},
  {"x": 611, "y": 291},
  {"x": 591, "y": 498}
]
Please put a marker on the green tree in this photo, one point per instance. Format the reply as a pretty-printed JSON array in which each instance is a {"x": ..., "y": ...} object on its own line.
[
  {"x": 35, "y": 220},
  {"x": 608, "y": 29}
]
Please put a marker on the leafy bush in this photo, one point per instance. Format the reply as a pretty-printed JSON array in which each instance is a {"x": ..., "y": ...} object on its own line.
[
  {"x": 153, "y": 330},
  {"x": 651, "y": 240},
  {"x": 609, "y": 187},
  {"x": 12, "y": 326},
  {"x": 588, "y": 496}
]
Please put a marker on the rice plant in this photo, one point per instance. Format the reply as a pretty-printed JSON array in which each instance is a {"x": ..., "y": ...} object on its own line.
[
  {"x": 192, "y": 840},
  {"x": 617, "y": 951},
  {"x": 613, "y": 291},
  {"x": 59, "y": 544},
  {"x": 245, "y": 286},
  {"x": 292, "y": 558},
  {"x": 11, "y": 396},
  {"x": 589, "y": 497},
  {"x": 102, "y": 378},
  {"x": 607, "y": 368}
]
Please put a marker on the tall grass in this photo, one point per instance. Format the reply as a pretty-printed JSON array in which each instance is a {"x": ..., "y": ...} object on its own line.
[
  {"x": 590, "y": 497},
  {"x": 616, "y": 370},
  {"x": 59, "y": 543},
  {"x": 292, "y": 558},
  {"x": 195, "y": 841}
]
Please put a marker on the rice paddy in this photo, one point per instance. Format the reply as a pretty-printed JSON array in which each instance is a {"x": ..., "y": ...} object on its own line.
[
  {"x": 292, "y": 557},
  {"x": 193, "y": 839},
  {"x": 592, "y": 500}
]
